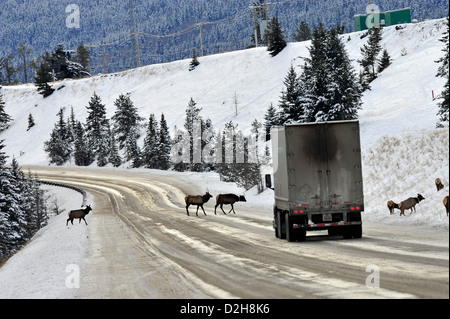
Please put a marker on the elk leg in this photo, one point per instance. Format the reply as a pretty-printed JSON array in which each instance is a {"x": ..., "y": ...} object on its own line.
[
  {"x": 215, "y": 207},
  {"x": 203, "y": 210},
  {"x": 187, "y": 211},
  {"x": 232, "y": 209},
  {"x": 196, "y": 213},
  {"x": 84, "y": 221},
  {"x": 221, "y": 207}
]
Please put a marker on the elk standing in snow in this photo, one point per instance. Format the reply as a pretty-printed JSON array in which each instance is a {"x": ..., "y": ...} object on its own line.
[
  {"x": 410, "y": 203},
  {"x": 79, "y": 213},
  {"x": 439, "y": 184},
  {"x": 445, "y": 201},
  {"x": 198, "y": 200},
  {"x": 228, "y": 199},
  {"x": 391, "y": 205}
]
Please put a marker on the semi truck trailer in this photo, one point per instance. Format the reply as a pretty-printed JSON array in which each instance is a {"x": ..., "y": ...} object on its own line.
[{"x": 317, "y": 179}]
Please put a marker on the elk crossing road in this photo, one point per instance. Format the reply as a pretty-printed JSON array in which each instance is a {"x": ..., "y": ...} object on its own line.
[{"x": 142, "y": 245}]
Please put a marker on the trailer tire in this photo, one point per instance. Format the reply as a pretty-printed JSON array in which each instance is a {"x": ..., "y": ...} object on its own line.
[
  {"x": 280, "y": 222},
  {"x": 293, "y": 234}
]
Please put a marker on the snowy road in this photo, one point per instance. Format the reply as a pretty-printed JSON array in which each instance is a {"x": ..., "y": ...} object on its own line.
[{"x": 142, "y": 245}]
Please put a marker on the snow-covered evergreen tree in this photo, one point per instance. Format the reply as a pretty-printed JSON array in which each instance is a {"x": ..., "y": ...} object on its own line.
[
  {"x": 314, "y": 79},
  {"x": 193, "y": 125},
  {"x": 164, "y": 145},
  {"x": 385, "y": 61},
  {"x": 370, "y": 52},
  {"x": 290, "y": 107},
  {"x": 12, "y": 216},
  {"x": 443, "y": 71},
  {"x": 30, "y": 122},
  {"x": 344, "y": 91},
  {"x": 42, "y": 78},
  {"x": 194, "y": 62},
  {"x": 5, "y": 119},
  {"x": 150, "y": 147},
  {"x": 126, "y": 125},
  {"x": 114, "y": 156},
  {"x": 275, "y": 37},
  {"x": 82, "y": 155},
  {"x": 271, "y": 119},
  {"x": 59, "y": 148},
  {"x": 328, "y": 88},
  {"x": 96, "y": 128}
]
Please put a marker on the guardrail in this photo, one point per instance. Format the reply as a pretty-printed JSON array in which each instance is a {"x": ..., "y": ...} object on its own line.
[{"x": 79, "y": 190}]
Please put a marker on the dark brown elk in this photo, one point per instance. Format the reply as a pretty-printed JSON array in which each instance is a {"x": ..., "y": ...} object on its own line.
[
  {"x": 391, "y": 205},
  {"x": 439, "y": 184},
  {"x": 228, "y": 199},
  {"x": 198, "y": 200},
  {"x": 78, "y": 214},
  {"x": 410, "y": 203},
  {"x": 445, "y": 201}
]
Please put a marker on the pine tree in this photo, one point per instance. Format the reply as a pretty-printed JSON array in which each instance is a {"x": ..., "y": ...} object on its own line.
[
  {"x": 59, "y": 148},
  {"x": 114, "y": 156},
  {"x": 149, "y": 152},
  {"x": 344, "y": 92},
  {"x": 192, "y": 124},
  {"x": 369, "y": 59},
  {"x": 303, "y": 32},
  {"x": 83, "y": 57},
  {"x": 5, "y": 119},
  {"x": 385, "y": 61},
  {"x": 43, "y": 76},
  {"x": 97, "y": 127},
  {"x": 12, "y": 216},
  {"x": 164, "y": 145},
  {"x": 328, "y": 87},
  {"x": 314, "y": 80},
  {"x": 275, "y": 37},
  {"x": 443, "y": 71},
  {"x": 194, "y": 62},
  {"x": 81, "y": 154},
  {"x": 270, "y": 119},
  {"x": 30, "y": 122},
  {"x": 291, "y": 108},
  {"x": 126, "y": 125}
]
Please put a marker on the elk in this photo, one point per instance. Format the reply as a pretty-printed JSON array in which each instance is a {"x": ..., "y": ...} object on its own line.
[
  {"x": 410, "y": 203},
  {"x": 391, "y": 205},
  {"x": 79, "y": 213},
  {"x": 445, "y": 201},
  {"x": 439, "y": 184},
  {"x": 227, "y": 199},
  {"x": 198, "y": 200}
]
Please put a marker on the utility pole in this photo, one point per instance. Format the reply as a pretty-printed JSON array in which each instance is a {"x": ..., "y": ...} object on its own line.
[
  {"x": 104, "y": 58},
  {"x": 138, "y": 50},
  {"x": 255, "y": 21},
  {"x": 133, "y": 31},
  {"x": 201, "y": 37}
]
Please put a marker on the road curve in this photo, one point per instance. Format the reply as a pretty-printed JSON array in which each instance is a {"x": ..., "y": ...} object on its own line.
[{"x": 142, "y": 245}]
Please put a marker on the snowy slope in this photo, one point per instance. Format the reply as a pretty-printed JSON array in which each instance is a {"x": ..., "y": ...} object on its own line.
[
  {"x": 252, "y": 75},
  {"x": 399, "y": 106},
  {"x": 403, "y": 153}
]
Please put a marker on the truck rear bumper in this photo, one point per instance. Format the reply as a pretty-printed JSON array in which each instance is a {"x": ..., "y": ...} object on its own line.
[{"x": 322, "y": 225}]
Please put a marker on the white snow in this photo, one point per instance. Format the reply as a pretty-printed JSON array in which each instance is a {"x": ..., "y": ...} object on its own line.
[{"x": 403, "y": 152}]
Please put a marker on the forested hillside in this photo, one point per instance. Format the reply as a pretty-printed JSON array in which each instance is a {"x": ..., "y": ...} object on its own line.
[{"x": 168, "y": 29}]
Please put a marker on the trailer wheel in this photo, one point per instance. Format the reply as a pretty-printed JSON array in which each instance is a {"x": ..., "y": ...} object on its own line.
[
  {"x": 280, "y": 222},
  {"x": 293, "y": 234}
]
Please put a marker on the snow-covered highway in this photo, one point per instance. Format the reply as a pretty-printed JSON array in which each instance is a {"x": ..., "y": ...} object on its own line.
[{"x": 141, "y": 244}]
